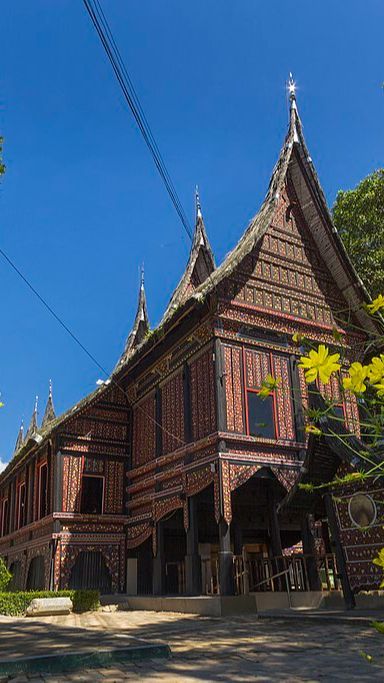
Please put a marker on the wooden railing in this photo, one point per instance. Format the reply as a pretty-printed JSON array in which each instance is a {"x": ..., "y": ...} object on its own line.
[{"x": 260, "y": 574}]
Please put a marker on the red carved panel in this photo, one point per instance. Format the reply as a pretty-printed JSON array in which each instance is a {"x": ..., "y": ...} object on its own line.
[
  {"x": 286, "y": 273},
  {"x": 72, "y": 470},
  {"x": 233, "y": 388},
  {"x": 256, "y": 368},
  {"x": 283, "y": 398},
  {"x": 202, "y": 395},
  {"x": 144, "y": 432},
  {"x": 172, "y": 400},
  {"x": 114, "y": 484}
]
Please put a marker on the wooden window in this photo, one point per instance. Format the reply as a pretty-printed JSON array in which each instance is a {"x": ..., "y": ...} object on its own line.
[
  {"x": 21, "y": 507},
  {"x": 272, "y": 417},
  {"x": 4, "y": 517},
  {"x": 261, "y": 418},
  {"x": 260, "y": 413},
  {"x": 43, "y": 490},
  {"x": 92, "y": 494}
]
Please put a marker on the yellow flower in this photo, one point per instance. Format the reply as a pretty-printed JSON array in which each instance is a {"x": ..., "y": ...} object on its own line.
[
  {"x": 297, "y": 338},
  {"x": 376, "y": 304},
  {"x": 312, "y": 429},
  {"x": 380, "y": 389},
  {"x": 356, "y": 380},
  {"x": 319, "y": 364},
  {"x": 376, "y": 369},
  {"x": 267, "y": 386},
  {"x": 379, "y": 560}
]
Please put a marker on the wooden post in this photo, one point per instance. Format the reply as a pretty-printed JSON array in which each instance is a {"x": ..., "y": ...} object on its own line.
[
  {"x": 192, "y": 559},
  {"x": 158, "y": 578},
  {"x": 226, "y": 582},
  {"x": 309, "y": 549},
  {"x": 349, "y": 597},
  {"x": 275, "y": 539}
]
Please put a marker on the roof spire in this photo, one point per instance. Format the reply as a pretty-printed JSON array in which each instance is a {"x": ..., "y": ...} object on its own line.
[
  {"x": 197, "y": 203},
  {"x": 49, "y": 413},
  {"x": 292, "y": 90},
  {"x": 141, "y": 324},
  {"x": 20, "y": 437},
  {"x": 33, "y": 423},
  {"x": 201, "y": 264}
]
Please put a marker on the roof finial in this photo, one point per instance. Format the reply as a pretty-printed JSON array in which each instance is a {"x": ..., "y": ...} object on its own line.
[
  {"x": 50, "y": 394},
  {"x": 292, "y": 91},
  {"x": 36, "y": 404},
  {"x": 20, "y": 437},
  {"x": 142, "y": 276},
  {"x": 197, "y": 203},
  {"x": 291, "y": 88}
]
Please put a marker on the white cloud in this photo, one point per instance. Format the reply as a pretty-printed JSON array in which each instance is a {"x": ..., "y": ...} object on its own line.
[{"x": 2, "y": 465}]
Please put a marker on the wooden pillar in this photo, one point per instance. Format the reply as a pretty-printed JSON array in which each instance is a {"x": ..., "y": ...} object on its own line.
[
  {"x": 309, "y": 549},
  {"x": 192, "y": 559},
  {"x": 237, "y": 540},
  {"x": 349, "y": 597},
  {"x": 158, "y": 576},
  {"x": 226, "y": 582},
  {"x": 275, "y": 541}
]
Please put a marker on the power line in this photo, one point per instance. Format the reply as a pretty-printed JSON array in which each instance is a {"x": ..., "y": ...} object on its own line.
[
  {"x": 100, "y": 23},
  {"x": 104, "y": 32},
  {"x": 84, "y": 348}
]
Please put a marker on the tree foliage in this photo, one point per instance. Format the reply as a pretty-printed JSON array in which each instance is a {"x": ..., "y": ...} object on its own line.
[{"x": 359, "y": 218}]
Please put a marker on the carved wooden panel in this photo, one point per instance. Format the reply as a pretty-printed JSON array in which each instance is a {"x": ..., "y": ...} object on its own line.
[
  {"x": 172, "y": 399},
  {"x": 144, "y": 431},
  {"x": 203, "y": 402},
  {"x": 233, "y": 388}
]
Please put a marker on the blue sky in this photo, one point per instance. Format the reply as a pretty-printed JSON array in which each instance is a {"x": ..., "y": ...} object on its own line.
[{"x": 82, "y": 205}]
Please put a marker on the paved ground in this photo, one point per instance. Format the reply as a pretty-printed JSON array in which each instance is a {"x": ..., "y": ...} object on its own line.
[{"x": 206, "y": 649}]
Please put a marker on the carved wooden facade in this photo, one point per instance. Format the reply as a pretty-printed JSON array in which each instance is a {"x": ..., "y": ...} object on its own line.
[{"x": 179, "y": 416}]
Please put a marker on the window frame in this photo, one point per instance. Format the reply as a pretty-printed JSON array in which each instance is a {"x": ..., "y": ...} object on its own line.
[
  {"x": 21, "y": 516},
  {"x": 5, "y": 501},
  {"x": 93, "y": 476},
  {"x": 247, "y": 389},
  {"x": 40, "y": 466}
]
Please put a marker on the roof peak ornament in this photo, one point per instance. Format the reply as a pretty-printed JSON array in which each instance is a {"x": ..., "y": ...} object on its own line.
[
  {"x": 20, "y": 437},
  {"x": 49, "y": 413},
  {"x": 32, "y": 429},
  {"x": 197, "y": 203},
  {"x": 291, "y": 88},
  {"x": 142, "y": 276}
]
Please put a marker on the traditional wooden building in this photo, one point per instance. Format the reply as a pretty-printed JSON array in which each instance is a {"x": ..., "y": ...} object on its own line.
[{"x": 174, "y": 476}]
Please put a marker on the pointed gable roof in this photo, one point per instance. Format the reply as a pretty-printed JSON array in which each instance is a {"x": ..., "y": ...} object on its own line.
[
  {"x": 33, "y": 427},
  {"x": 294, "y": 163},
  {"x": 201, "y": 264},
  {"x": 49, "y": 413},
  {"x": 140, "y": 326},
  {"x": 20, "y": 437}
]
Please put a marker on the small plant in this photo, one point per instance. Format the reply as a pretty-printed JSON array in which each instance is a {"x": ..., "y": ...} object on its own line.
[{"x": 5, "y": 575}]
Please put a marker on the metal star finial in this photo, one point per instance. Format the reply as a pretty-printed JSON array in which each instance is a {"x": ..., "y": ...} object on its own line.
[{"x": 291, "y": 87}]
